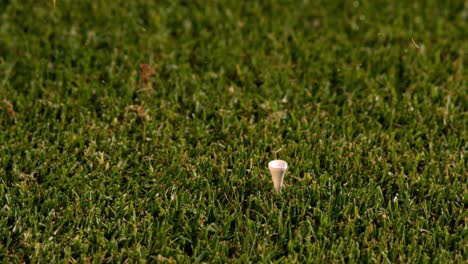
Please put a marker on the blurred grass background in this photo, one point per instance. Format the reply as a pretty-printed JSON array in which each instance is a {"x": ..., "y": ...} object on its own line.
[{"x": 140, "y": 131}]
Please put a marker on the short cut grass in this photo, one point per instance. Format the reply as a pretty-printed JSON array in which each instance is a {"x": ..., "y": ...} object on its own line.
[{"x": 141, "y": 131}]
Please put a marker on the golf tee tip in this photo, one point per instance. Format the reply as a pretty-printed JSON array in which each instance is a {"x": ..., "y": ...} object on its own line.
[{"x": 278, "y": 169}]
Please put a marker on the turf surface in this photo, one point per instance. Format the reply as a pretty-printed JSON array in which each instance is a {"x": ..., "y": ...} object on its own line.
[{"x": 141, "y": 130}]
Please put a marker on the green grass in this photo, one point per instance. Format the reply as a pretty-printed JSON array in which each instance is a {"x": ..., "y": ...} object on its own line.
[{"x": 366, "y": 101}]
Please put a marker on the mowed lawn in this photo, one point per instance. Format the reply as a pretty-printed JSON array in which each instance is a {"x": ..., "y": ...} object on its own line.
[{"x": 141, "y": 131}]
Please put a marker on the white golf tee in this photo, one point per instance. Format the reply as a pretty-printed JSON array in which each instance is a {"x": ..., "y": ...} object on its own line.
[{"x": 278, "y": 170}]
